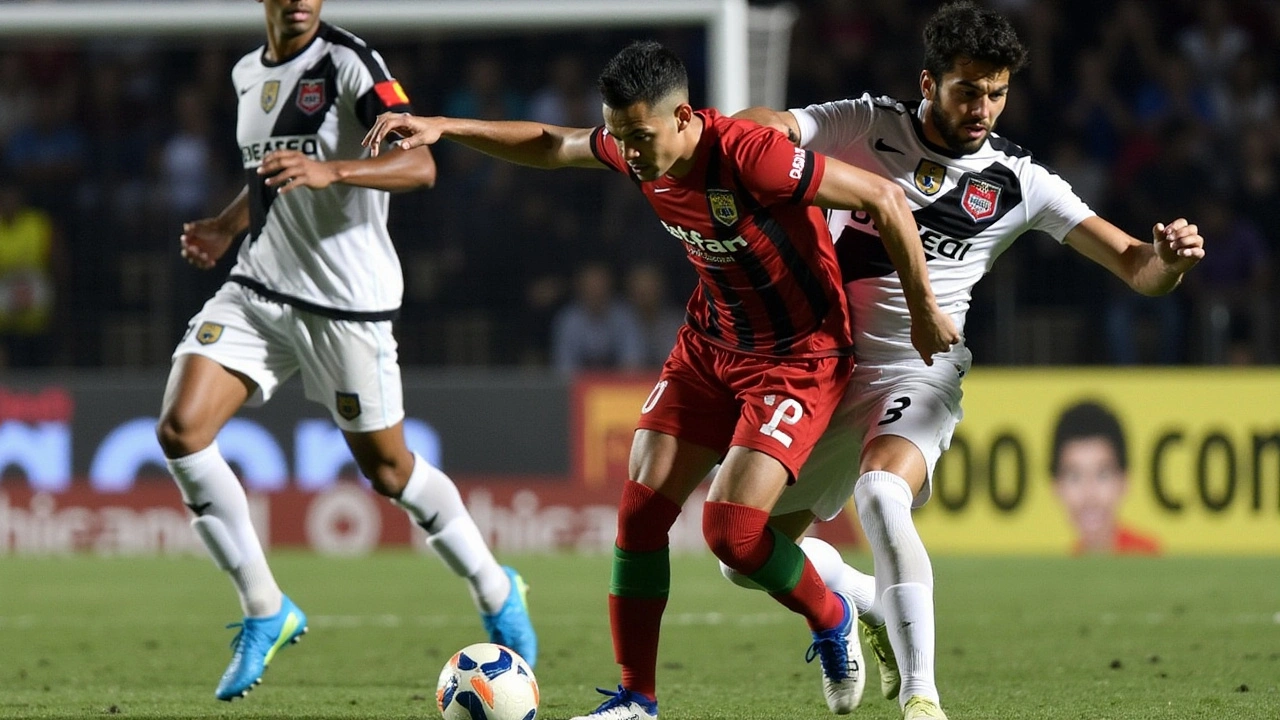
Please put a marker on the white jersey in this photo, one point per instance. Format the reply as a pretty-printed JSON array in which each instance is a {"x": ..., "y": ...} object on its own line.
[
  {"x": 327, "y": 251},
  {"x": 969, "y": 209}
]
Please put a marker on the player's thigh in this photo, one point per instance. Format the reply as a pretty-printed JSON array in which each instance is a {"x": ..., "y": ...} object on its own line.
[
  {"x": 749, "y": 477},
  {"x": 376, "y": 450},
  {"x": 785, "y": 406},
  {"x": 352, "y": 368},
  {"x": 909, "y": 415},
  {"x": 827, "y": 477},
  {"x": 199, "y": 398},
  {"x": 245, "y": 334},
  {"x": 671, "y": 466}
]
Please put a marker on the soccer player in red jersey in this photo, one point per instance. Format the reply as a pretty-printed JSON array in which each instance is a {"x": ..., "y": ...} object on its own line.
[{"x": 762, "y": 359}]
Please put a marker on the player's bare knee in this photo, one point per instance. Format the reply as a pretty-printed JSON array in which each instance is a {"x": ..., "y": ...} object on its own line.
[
  {"x": 387, "y": 476},
  {"x": 179, "y": 437}
]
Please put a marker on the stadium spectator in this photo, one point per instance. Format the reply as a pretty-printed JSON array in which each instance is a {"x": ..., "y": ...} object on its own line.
[
  {"x": 597, "y": 330},
  {"x": 313, "y": 292},
  {"x": 1090, "y": 473},
  {"x": 33, "y": 274},
  {"x": 659, "y": 319}
]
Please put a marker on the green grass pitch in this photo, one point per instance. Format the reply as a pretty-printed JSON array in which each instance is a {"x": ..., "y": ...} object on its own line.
[{"x": 1022, "y": 639}]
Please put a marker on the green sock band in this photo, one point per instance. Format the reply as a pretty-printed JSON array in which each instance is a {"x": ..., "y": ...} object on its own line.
[
  {"x": 781, "y": 572},
  {"x": 641, "y": 574}
]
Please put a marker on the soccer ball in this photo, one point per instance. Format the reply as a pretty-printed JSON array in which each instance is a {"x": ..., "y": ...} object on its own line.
[{"x": 487, "y": 682}]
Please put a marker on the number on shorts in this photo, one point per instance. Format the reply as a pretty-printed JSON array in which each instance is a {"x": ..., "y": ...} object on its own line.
[
  {"x": 654, "y": 394},
  {"x": 894, "y": 413},
  {"x": 789, "y": 411}
]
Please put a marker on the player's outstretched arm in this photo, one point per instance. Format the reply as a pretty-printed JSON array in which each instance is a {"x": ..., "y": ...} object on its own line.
[
  {"x": 850, "y": 188},
  {"x": 781, "y": 120},
  {"x": 204, "y": 241},
  {"x": 524, "y": 143},
  {"x": 1153, "y": 268},
  {"x": 288, "y": 170}
]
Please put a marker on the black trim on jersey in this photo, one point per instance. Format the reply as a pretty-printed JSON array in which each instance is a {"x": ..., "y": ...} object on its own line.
[
  {"x": 328, "y": 312},
  {"x": 344, "y": 38},
  {"x": 369, "y": 106},
  {"x": 806, "y": 177},
  {"x": 261, "y": 196},
  {"x": 946, "y": 216},
  {"x": 292, "y": 120},
  {"x": 741, "y": 318},
  {"x": 595, "y": 147},
  {"x": 862, "y": 255},
  {"x": 286, "y": 60},
  {"x": 800, "y": 271},
  {"x": 714, "y": 330}
]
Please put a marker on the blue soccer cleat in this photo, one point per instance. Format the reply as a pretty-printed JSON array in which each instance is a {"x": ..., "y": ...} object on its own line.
[
  {"x": 623, "y": 705},
  {"x": 255, "y": 645},
  {"x": 840, "y": 655},
  {"x": 510, "y": 626}
]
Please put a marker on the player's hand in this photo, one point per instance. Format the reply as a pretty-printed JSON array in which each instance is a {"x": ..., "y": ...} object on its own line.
[
  {"x": 288, "y": 170},
  {"x": 204, "y": 242},
  {"x": 933, "y": 332},
  {"x": 414, "y": 131},
  {"x": 1178, "y": 245}
]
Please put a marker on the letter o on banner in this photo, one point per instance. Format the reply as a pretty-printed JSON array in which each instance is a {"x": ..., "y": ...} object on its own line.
[{"x": 344, "y": 521}]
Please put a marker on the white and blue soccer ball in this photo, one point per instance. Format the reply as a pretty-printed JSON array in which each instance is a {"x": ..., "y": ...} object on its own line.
[{"x": 487, "y": 682}]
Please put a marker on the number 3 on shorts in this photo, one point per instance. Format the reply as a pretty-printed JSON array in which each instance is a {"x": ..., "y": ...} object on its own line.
[{"x": 789, "y": 412}]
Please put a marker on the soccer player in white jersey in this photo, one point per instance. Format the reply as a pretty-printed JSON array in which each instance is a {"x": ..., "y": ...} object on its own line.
[
  {"x": 313, "y": 291},
  {"x": 972, "y": 193}
]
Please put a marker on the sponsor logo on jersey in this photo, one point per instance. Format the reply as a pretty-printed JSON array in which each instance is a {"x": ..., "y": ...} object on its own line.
[
  {"x": 310, "y": 95},
  {"x": 208, "y": 333},
  {"x": 270, "y": 93},
  {"x": 723, "y": 208},
  {"x": 252, "y": 155},
  {"x": 708, "y": 249},
  {"x": 935, "y": 244},
  {"x": 347, "y": 404},
  {"x": 980, "y": 199},
  {"x": 929, "y": 177}
]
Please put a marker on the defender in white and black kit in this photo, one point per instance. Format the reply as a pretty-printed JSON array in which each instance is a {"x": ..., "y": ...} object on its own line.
[
  {"x": 972, "y": 194},
  {"x": 313, "y": 292}
]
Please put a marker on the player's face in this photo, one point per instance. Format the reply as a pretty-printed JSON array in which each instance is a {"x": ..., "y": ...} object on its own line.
[
  {"x": 292, "y": 18},
  {"x": 964, "y": 103},
  {"x": 1091, "y": 484},
  {"x": 648, "y": 138}
]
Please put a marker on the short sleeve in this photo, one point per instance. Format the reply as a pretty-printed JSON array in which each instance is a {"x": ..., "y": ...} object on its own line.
[
  {"x": 606, "y": 151},
  {"x": 774, "y": 171},
  {"x": 1055, "y": 207},
  {"x": 371, "y": 84},
  {"x": 831, "y": 127}
]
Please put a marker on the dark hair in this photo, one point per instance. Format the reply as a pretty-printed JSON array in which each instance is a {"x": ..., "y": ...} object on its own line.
[
  {"x": 962, "y": 29},
  {"x": 1088, "y": 420},
  {"x": 644, "y": 71}
]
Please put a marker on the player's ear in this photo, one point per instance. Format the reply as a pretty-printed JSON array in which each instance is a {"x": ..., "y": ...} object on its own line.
[
  {"x": 684, "y": 116},
  {"x": 927, "y": 85}
]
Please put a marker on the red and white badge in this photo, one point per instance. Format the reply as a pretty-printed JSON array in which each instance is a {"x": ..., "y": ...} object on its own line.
[
  {"x": 980, "y": 199},
  {"x": 310, "y": 95}
]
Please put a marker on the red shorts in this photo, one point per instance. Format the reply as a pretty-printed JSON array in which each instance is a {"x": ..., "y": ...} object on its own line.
[{"x": 712, "y": 396}]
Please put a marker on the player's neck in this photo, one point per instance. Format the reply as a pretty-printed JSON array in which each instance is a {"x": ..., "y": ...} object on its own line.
[
  {"x": 281, "y": 48},
  {"x": 684, "y": 165}
]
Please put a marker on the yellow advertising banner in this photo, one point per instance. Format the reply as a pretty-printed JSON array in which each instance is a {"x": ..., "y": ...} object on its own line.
[{"x": 1202, "y": 474}]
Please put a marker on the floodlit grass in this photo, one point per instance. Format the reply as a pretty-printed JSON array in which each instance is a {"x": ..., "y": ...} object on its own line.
[{"x": 1025, "y": 639}]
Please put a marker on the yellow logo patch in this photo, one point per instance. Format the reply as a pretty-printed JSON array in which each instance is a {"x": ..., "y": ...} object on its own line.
[
  {"x": 929, "y": 177},
  {"x": 723, "y": 208},
  {"x": 208, "y": 333},
  {"x": 348, "y": 405},
  {"x": 270, "y": 93}
]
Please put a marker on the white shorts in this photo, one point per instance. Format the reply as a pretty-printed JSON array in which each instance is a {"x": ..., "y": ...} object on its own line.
[
  {"x": 349, "y": 366},
  {"x": 908, "y": 399}
]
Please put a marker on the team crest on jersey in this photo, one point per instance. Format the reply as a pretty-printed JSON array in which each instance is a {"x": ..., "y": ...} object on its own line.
[
  {"x": 310, "y": 95},
  {"x": 980, "y": 199},
  {"x": 723, "y": 208},
  {"x": 208, "y": 333},
  {"x": 929, "y": 177},
  {"x": 270, "y": 93},
  {"x": 348, "y": 405}
]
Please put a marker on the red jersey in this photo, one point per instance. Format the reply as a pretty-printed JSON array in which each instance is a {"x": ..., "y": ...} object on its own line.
[{"x": 769, "y": 283}]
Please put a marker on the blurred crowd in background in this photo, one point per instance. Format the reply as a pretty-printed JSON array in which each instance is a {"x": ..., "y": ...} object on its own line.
[{"x": 1153, "y": 110}]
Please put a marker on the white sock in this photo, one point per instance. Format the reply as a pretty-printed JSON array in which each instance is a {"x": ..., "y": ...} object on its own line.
[
  {"x": 904, "y": 576},
  {"x": 841, "y": 577},
  {"x": 432, "y": 500},
  {"x": 210, "y": 488}
]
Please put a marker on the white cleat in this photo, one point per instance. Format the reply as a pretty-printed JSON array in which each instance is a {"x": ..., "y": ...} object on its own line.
[{"x": 840, "y": 654}]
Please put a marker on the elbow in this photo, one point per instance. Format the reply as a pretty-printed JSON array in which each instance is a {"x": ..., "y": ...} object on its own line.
[
  {"x": 888, "y": 200},
  {"x": 427, "y": 178}
]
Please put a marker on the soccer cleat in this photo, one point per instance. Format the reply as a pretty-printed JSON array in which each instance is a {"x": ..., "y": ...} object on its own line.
[
  {"x": 878, "y": 639},
  {"x": 623, "y": 705},
  {"x": 510, "y": 626},
  {"x": 840, "y": 654},
  {"x": 253, "y": 647},
  {"x": 920, "y": 707}
]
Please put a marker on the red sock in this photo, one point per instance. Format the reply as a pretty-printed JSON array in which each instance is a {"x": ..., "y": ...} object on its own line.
[
  {"x": 635, "y": 623},
  {"x": 812, "y": 599}
]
